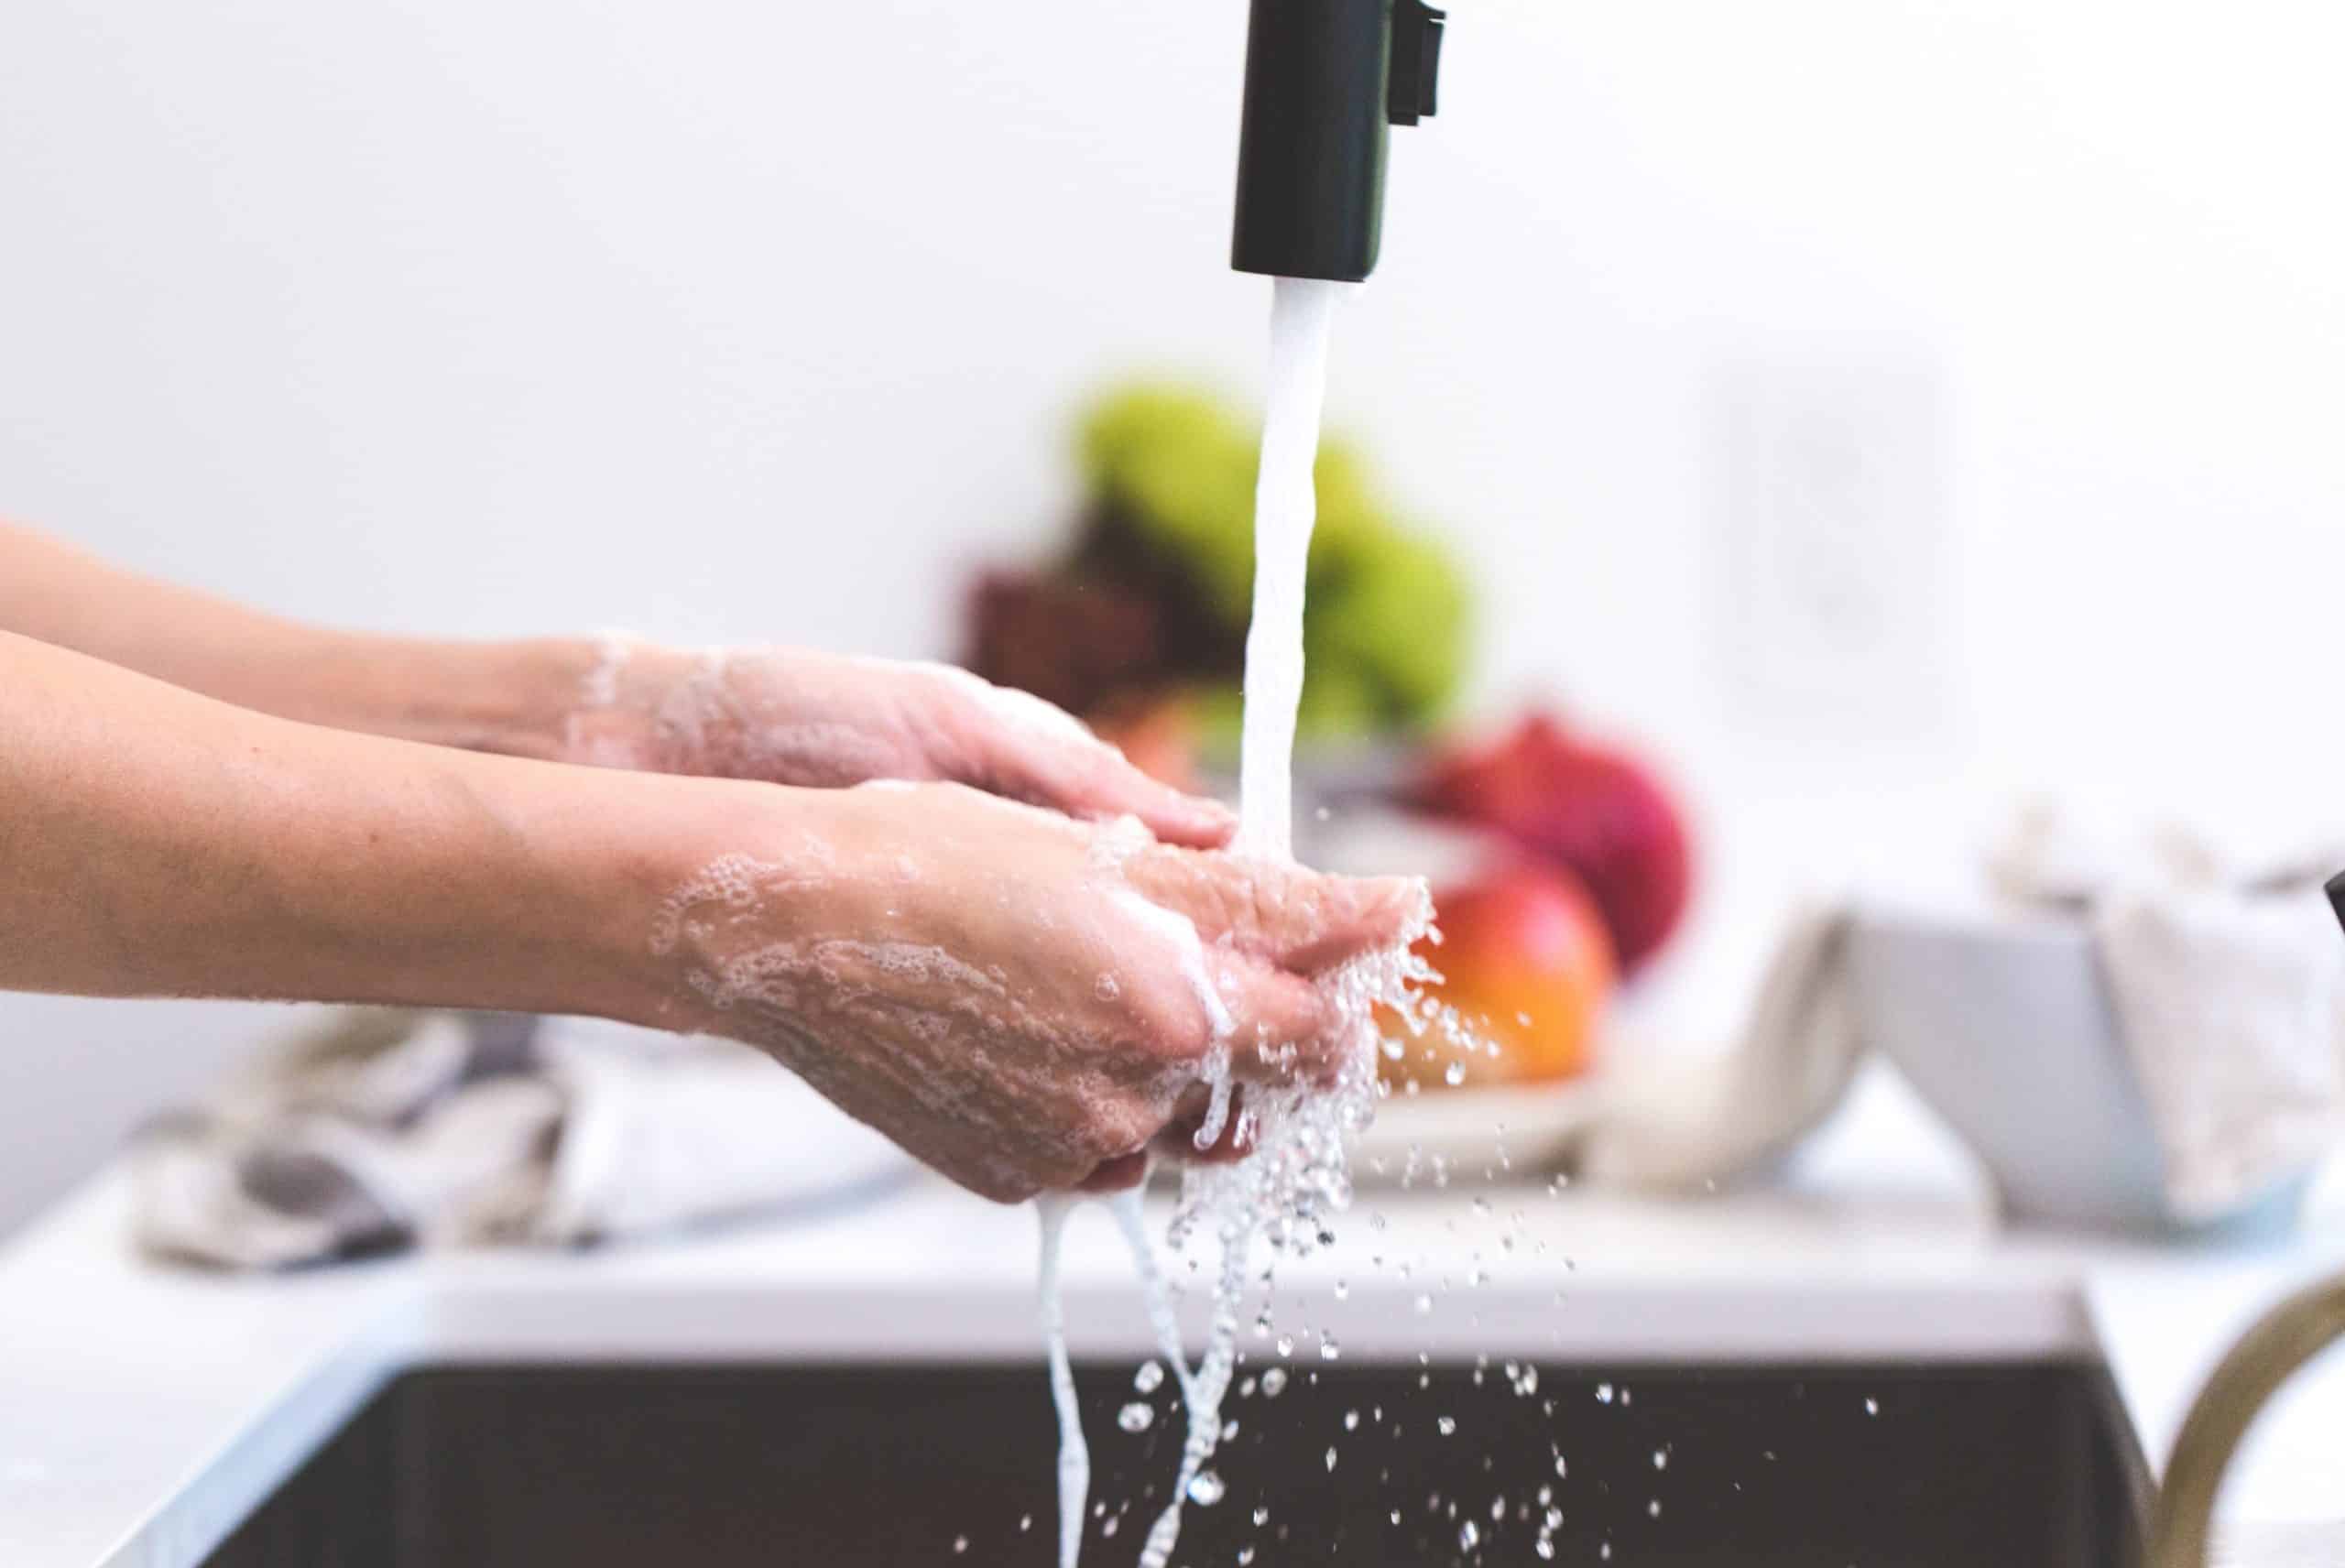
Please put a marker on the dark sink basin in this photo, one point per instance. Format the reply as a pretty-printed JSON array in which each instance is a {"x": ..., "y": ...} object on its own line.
[{"x": 752, "y": 1466}]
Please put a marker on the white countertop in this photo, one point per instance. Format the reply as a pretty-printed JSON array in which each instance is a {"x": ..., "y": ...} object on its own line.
[{"x": 143, "y": 1409}]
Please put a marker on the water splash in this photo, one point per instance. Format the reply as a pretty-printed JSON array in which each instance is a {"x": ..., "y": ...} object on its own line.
[
  {"x": 1285, "y": 1195},
  {"x": 1074, "y": 1455}
]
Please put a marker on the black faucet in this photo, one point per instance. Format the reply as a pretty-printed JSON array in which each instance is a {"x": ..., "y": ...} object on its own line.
[{"x": 1323, "y": 80}]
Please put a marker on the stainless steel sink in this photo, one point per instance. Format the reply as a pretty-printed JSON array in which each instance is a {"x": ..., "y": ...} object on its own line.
[{"x": 2011, "y": 1464}]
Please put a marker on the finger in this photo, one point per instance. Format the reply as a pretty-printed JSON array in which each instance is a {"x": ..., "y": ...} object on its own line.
[
  {"x": 1124, "y": 1171},
  {"x": 1282, "y": 1027},
  {"x": 1286, "y": 916},
  {"x": 1094, "y": 780},
  {"x": 1234, "y": 1142},
  {"x": 1021, "y": 745},
  {"x": 1353, "y": 915}
]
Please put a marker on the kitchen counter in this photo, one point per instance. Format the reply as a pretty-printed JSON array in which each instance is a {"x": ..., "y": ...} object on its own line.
[{"x": 144, "y": 1410}]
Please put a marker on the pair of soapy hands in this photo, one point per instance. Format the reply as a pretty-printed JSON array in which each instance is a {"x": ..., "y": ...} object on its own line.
[{"x": 1009, "y": 950}]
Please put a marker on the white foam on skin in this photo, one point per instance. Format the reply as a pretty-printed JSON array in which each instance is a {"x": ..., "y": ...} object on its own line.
[{"x": 1190, "y": 949}]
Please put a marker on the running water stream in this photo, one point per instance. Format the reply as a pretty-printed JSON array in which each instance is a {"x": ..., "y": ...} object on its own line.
[
  {"x": 1297, "y": 1175},
  {"x": 1286, "y": 504}
]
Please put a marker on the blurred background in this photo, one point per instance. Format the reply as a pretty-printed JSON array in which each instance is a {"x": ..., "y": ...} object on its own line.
[{"x": 1867, "y": 414}]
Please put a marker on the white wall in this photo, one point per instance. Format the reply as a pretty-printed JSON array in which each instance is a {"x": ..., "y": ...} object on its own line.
[{"x": 734, "y": 320}]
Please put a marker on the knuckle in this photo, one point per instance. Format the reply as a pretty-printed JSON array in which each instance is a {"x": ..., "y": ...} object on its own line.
[
  {"x": 1173, "y": 1025},
  {"x": 1116, "y": 1127},
  {"x": 1003, "y": 1188}
]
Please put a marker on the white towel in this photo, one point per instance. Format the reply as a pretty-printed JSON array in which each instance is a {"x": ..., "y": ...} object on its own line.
[
  {"x": 1688, "y": 1127},
  {"x": 2227, "y": 975},
  {"x": 394, "y": 1129}
]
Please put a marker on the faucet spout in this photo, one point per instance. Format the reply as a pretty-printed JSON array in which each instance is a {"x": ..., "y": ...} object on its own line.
[
  {"x": 1325, "y": 78},
  {"x": 2292, "y": 1334}
]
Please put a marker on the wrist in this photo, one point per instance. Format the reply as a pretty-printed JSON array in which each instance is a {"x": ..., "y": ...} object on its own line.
[
  {"x": 512, "y": 699},
  {"x": 667, "y": 855}
]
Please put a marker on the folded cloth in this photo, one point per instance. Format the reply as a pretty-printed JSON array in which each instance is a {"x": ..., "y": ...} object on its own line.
[
  {"x": 2227, "y": 975},
  {"x": 1687, "y": 1125},
  {"x": 390, "y": 1129}
]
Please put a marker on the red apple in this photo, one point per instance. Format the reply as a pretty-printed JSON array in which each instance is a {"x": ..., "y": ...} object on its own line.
[
  {"x": 1527, "y": 962},
  {"x": 1583, "y": 806}
]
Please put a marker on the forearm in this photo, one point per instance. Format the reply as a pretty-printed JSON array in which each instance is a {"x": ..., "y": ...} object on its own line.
[
  {"x": 509, "y": 697},
  {"x": 153, "y": 842}
]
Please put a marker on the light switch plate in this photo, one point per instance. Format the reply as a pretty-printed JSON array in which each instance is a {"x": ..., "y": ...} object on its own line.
[{"x": 1834, "y": 587}]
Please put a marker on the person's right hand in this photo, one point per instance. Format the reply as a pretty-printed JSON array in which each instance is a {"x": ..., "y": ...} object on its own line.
[{"x": 1023, "y": 1001}]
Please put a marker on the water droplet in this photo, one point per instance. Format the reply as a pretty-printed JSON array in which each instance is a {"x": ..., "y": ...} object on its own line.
[
  {"x": 1553, "y": 1519},
  {"x": 1113, "y": 1525},
  {"x": 1448, "y": 1424},
  {"x": 1343, "y": 1290},
  {"x": 1604, "y": 1393},
  {"x": 1562, "y": 1470},
  {"x": 1873, "y": 1407},
  {"x": 1453, "y": 1074},
  {"x": 1136, "y": 1417},
  {"x": 1545, "y": 1547},
  {"x": 1351, "y": 1420},
  {"x": 1025, "y": 1523},
  {"x": 1653, "y": 1508},
  {"x": 1331, "y": 1456},
  {"x": 1205, "y": 1490},
  {"x": 1482, "y": 1207},
  {"x": 1661, "y": 1459},
  {"x": 1244, "y": 1555},
  {"x": 959, "y": 1544},
  {"x": 1286, "y": 1345},
  {"x": 1329, "y": 1350},
  {"x": 1149, "y": 1377},
  {"x": 1423, "y": 1303},
  {"x": 1468, "y": 1537},
  {"x": 1273, "y": 1382},
  {"x": 1261, "y": 1518}
]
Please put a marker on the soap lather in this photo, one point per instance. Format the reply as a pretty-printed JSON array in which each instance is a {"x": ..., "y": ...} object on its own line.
[{"x": 1324, "y": 81}]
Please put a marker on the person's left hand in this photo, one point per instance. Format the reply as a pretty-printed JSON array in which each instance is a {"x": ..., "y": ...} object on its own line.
[{"x": 785, "y": 716}]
